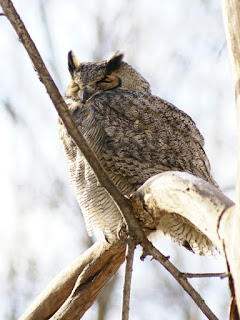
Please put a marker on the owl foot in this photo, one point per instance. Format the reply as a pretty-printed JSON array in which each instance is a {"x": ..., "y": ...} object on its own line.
[
  {"x": 122, "y": 232},
  {"x": 145, "y": 219}
]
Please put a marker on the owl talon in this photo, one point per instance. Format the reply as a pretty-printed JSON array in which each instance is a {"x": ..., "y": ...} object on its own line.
[
  {"x": 106, "y": 238},
  {"x": 143, "y": 216},
  {"x": 122, "y": 232}
]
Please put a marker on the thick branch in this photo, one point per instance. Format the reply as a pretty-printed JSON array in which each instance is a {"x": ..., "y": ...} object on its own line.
[
  {"x": 181, "y": 193},
  {"x": 189, "y": 196},
  {"x": 89, "y": 284},
  {"x": 94, "y": 268},
  {"x": 231, "y": 17},
  {"x": 124, "y": 205},
  {"x": 194, "y": 199}
]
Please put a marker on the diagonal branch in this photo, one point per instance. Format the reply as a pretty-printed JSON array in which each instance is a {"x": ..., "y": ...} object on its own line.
[
  {"x": 61, "y": 106},
  {"x": 181, "y": 195},
  {"x": 90, "y": 283},
  {"x": 101, "y": 259}
]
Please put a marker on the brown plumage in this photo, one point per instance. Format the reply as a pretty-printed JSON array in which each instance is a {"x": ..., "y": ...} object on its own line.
[{"x": 135, "y": 135}]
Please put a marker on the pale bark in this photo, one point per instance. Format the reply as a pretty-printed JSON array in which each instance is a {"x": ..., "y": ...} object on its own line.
[
  {"x": 189, "y": 196},
  {"x": 231, "y": 17},
  {"x": 196, "y": 200},
  {"x": 91, "y": 270}
]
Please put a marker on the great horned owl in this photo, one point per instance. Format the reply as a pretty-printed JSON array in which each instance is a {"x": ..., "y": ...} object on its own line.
[{"x": 135, "y": 135}]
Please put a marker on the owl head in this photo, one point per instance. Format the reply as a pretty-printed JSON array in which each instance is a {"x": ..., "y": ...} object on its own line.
[{"x": 89, "y": 78}]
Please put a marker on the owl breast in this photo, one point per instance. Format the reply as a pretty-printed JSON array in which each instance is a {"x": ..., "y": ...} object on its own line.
[{"x": 135, "y": 135}]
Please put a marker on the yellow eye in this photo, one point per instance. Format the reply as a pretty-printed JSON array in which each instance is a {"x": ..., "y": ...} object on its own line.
[
  {"x": 107, "y": 79},
  {"x": 109, "y": 82}
]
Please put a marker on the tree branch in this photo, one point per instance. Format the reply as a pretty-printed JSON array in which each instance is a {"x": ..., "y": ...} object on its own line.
[
  {"x": 83, "y": 285},
  {"x": 191, "y": 197},
  {"x": 122, "y": 202},
  {"x": 100, "y": 261},
  {"x": 89, "y": 284},
  {"x": 220, "y": 275},
  {"x": 148, "y": 247},
  {"x": 178, "y": 190},
  {"x": 127, "y": 281},
  {"x": 105, "y": 297},
  {"x": 231, "y": 18}
]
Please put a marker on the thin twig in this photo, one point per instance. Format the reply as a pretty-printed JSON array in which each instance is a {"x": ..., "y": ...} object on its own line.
[
  {"x": 127, "y": 281},
  {"x": 181, "y": 280},
  {"x": 205, "y": 275}
]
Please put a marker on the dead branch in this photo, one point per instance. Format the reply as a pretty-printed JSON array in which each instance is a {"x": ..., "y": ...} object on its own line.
[
  {"x": 90, "y": 283},
  {"x": 72, "y": 305},
  {"x": 100, "y": 261},
  {"x": 106, "y": 296},
  {"x": 127, "y": 281},
  {"x": 148, "y": 247},
  {"x": 231, "y": 18},
  {"x": 178, "y": 192},
  {"x": 220, "y": 275},
  {"x": 191, "y": 197}
]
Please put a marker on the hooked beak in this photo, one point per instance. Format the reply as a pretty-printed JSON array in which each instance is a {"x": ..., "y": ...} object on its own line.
[
  {"x": 87, "y": 92},
  {"x": 84, "y": 96}
]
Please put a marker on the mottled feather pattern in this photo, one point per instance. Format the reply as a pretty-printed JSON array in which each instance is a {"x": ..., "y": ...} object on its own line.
[{"x": 135, "y": 135}]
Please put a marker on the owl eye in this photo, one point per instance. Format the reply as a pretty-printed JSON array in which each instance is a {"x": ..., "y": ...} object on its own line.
[
  {"x": 105, "y": 80},
  {"x": 109, "y": 82}
]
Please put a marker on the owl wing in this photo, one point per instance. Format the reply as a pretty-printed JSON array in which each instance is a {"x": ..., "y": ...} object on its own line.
[{"x": 137, "y": 135}]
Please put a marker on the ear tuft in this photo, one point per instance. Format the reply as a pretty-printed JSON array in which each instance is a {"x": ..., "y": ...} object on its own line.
[
  {"x": 73, "y": 62},
  {"x": 114, "y": 62}
]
